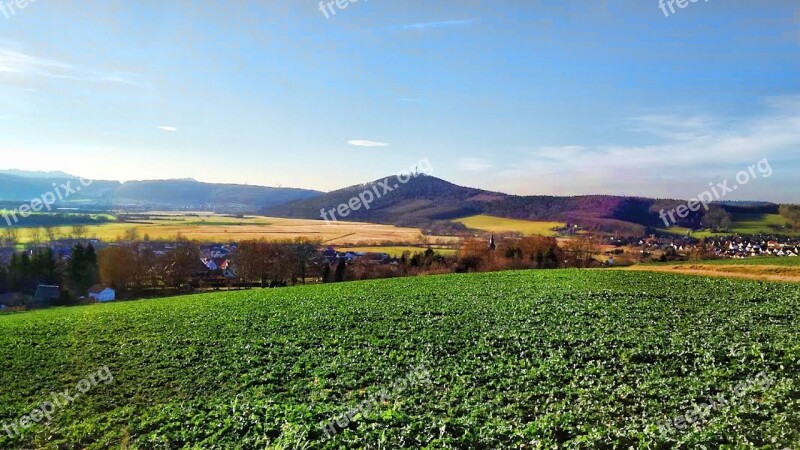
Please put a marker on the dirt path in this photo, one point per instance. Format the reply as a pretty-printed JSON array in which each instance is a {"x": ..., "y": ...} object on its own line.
[{"x": 761, "y": 273}]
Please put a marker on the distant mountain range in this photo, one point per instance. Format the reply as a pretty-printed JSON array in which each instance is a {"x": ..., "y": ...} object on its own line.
[
  {"x": 18, "y": 186},
  {"x": 424, "y": 202},
  {"x": 33, "y": 174}
]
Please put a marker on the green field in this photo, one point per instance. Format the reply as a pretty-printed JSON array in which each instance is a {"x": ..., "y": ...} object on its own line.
[
  {"x": 765, "y": 261},
  {"x": 744, "y": 224},
  {"x": 541, "y": 359},
  {"x": 499, "y": 224}
]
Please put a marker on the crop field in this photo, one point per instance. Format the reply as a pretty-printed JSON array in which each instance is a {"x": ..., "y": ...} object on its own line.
[
  {"x": 539, "y": 359},
  {"x": 208, "y": 227},
  {"x": 785, "y": 269},
  {"x": 757, "y": 261},
  {"x": 499, "y": 224}
]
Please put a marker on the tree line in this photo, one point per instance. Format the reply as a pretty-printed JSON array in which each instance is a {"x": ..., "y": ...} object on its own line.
[{"x": 140, "y": 268}]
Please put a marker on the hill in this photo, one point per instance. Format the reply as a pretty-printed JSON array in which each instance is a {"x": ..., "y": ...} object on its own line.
[
  {"x": 36, "y": 174},
  {"x": 566, "y": 359},
  {"x": 15, "y": 188},
  {"x": 206, "y": 196},
  {"x": 427, "y": 201},
  {"x": 432, "y": 204},
  {"x": 418, "y": 203}
]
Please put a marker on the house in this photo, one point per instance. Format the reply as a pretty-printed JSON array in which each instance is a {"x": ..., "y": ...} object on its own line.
[
  {"x": 102, "y": 293},
  {"x": 45, "y": 296},
  {"x": 214, "y": 264}
]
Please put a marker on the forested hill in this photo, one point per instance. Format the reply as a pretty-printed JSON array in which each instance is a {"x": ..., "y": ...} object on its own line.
[{"x": 426, "y": 200}]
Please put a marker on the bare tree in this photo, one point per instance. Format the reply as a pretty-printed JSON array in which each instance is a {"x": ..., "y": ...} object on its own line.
[
  {"x": 79, "y": 231},
  {"x": 11, "y": 236},
  {"x": 35, "y": 234},
  {"x": 132, "y": 235},
  {"x": 52, "y": 233}
]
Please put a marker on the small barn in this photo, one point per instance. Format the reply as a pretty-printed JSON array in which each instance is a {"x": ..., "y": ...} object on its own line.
[
  {"x": 102, "y": 293},
  {"x": 45, "y": 296}
]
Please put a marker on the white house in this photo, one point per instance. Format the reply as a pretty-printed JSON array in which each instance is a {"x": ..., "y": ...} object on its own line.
[{"x": 102, "y": 293}]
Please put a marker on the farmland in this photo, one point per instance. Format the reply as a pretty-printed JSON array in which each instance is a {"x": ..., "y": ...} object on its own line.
[
  {"x": 209, "y": 227},
  {"x": 396, "y": 252},
  {"x": 786, "y": 269},
  {"x": 538, "y": 359},
  {"x": 499, "y": 224}
]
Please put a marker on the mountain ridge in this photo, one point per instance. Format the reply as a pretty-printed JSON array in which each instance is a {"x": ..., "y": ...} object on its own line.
[{"x": 421, "y": 201}]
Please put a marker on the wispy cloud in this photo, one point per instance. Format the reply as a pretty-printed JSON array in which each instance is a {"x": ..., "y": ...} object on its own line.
[
  {"x": 683, "y": 154},
  {"x": 15, "y": 63},
  {"x": 439, "y": 24},
  {"x": 364, "y": 143},
  {"x": 674, "y": 126},
  {"x": 168, "y": 129},
  {"x": 474, "y": 165}
]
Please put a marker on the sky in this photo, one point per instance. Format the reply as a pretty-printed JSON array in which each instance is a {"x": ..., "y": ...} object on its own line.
[{"x": 527, "y": 97}]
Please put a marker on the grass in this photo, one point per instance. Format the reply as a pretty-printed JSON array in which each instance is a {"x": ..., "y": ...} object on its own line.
[
  {"x": 207, "y": 227},
  {"x": 744, "y": 224},
  {"x": 499, "y": 224},
  {"x": 761, "y": 224},
  {"x": 539, "y": 359}
]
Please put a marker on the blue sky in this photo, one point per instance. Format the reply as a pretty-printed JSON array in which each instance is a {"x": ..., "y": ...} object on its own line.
[{"x": 528, "y": 97}]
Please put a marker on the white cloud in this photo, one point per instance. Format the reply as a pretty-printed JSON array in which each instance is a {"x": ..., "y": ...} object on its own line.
[
  {"x": 474, "y": 165},
  {"x": 16, "y": 64},
  {"x": 168, "y": 129},
  {"x": 439, "y": 24},
  {"x": 364, "y": 143}
]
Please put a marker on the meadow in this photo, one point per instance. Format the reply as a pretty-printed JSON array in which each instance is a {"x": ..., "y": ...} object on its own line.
[
  {"x": 536, "y": 359},
  {"x": 743, "y": 224},
  {"x": 499, "y": 224}
]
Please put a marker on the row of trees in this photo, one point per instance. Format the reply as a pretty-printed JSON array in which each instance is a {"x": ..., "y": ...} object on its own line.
[
  {"x": 792, "y": 214},
  {"x": 26, "y": 271},
  {"x": 38, "y": 235},
  {"x": 136, "y": 269}
]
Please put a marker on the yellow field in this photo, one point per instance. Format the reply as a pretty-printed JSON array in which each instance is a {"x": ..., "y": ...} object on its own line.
[
  {"x": 208, "y": 227},
  {"x": 499, "y": 224},
  {"x": 396, "y": 252},
  {"x": 766, "y": 272}
]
